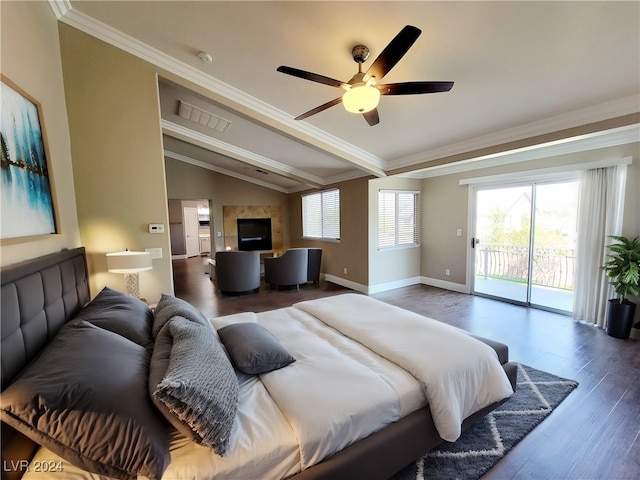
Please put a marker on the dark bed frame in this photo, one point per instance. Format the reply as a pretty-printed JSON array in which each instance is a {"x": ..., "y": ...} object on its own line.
[{"x": 40, "y": 295}]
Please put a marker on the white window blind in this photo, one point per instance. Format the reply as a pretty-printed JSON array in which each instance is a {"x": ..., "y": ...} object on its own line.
[
  {"x": 321, "y": 215},
  {"x": 397, "y": 218}
]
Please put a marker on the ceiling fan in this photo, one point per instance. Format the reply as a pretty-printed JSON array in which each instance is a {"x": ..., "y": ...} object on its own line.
[{"x": 363, "y": 91}]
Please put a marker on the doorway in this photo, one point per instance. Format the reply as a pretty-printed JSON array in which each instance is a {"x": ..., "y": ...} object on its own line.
[
  {"x": 524, "y": 245},
  {"x": 190, "y": 224}
]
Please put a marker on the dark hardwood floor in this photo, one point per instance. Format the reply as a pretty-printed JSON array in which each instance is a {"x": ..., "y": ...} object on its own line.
[{"x": 593, "y": 434}]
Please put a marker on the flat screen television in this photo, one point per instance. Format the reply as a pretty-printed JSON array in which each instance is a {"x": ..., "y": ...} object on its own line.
[{"x": 254, "y": 234}]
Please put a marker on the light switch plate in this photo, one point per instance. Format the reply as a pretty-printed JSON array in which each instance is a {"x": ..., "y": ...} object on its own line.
[{"x": 155, "y": 252}]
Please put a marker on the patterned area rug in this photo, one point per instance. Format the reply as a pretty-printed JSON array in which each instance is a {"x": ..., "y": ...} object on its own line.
[{"x": 483, "y": 445}]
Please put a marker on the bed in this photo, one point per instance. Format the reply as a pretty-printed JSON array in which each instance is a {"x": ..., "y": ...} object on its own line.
[{"x": 321, "y": 389}]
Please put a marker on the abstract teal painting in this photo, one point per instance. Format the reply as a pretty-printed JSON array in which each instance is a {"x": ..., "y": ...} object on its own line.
[{"x": 26, "y": 203}]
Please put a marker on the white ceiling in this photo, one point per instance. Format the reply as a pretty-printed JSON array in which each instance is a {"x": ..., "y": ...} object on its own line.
[{"x": 521, "y": 69}]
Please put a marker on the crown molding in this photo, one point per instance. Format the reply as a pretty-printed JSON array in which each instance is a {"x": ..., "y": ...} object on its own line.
[
  {"x": 60, "y": 7},
  {"x": 223, "y": 171},
  {"x": 581, "y": 143},
  {"x": 237, "y": 153},
  {"x": 597, "y": 113},
  {"x": 235, "y": 98}
]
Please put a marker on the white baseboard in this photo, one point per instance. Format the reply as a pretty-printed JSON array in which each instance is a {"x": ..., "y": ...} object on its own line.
[
  {"x": 383, "y": 287},
  {"x": 406, "y": 282},
  {"x": 343, "y": 282},
  {"x": 456, "y": 287},
  {"x": 178, "y": 257}
]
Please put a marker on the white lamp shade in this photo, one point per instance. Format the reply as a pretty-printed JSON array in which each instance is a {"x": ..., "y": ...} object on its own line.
[
  {"x": 129, "y": 262},
  {"x": 361, "y": 99}
]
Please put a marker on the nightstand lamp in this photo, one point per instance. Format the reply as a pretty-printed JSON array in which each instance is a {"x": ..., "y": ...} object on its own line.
[{"x": 130, "y": 263}]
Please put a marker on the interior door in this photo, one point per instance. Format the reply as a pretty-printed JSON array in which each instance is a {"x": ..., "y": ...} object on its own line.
[{"x": 191, "y": 227}]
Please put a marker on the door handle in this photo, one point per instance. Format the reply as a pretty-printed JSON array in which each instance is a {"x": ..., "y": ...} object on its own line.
[{"x": 474, "y": 242}]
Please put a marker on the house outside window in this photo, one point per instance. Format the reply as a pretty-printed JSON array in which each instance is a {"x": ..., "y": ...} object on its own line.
[
  {"x": 397, "y": 218},
  {"x": 321, "y": 215}
]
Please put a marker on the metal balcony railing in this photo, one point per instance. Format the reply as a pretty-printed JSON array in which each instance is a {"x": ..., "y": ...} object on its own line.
[{"x": 552, "y": 267}]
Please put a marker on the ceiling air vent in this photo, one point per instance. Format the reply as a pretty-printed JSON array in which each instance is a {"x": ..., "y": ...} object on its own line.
[{"x": 202, "y": 117}]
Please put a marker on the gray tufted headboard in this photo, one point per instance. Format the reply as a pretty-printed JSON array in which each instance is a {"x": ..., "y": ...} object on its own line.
[{"x": 38, "y": 297}]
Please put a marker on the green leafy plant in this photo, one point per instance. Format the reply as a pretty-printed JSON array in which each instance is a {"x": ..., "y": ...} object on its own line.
[{"x": 623, "y": 266}]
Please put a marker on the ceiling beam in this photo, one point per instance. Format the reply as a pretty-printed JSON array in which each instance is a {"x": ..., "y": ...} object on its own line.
[
  {"x": 626, "y": 123},
  {"x": 240, "y": 154}
]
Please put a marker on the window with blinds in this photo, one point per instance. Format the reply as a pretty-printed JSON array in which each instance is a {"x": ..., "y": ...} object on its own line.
[
  {"x": 321, "y": 215},
  {"x": 397, "y": 218}
]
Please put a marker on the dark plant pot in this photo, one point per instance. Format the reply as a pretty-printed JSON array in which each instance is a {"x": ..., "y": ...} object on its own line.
[{"x": 620, "y": 318}]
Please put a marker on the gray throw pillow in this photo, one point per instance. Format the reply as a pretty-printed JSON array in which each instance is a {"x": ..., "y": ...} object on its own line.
[
  {"x": 85, "y": 399},
  {"x": 169, "y": 307},
  {"x": 253, "y": 349},
  {"x": 200, "y": 387}
]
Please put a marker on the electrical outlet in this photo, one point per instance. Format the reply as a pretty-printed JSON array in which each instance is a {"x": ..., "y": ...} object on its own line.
[
  {"x": 344, "y": 270},
  {"x": 447, "y": 272}
]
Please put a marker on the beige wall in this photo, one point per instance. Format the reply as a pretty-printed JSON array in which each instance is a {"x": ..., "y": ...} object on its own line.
[
  {"x": 445, "y": 208},
  {"x": 114, "y": 120},
  {"x": 185, "y": 181},
  {"x": 388, "y": 268},
  {"x": 351, "y": 251},
  {"x": 31, "y": 59}
]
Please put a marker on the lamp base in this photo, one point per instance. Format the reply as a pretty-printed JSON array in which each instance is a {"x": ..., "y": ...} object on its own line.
[{"x": 131, "y": 280}]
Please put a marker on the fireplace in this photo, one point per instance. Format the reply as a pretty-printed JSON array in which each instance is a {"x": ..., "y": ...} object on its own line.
[{"x": 254, "y": 234}]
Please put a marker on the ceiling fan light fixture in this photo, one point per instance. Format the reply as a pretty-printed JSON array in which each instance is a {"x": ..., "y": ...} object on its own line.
[{"x": 361, "y": 98}]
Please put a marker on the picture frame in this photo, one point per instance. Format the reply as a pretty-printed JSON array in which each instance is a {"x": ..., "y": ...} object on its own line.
[{"x": 27, "y": 206}]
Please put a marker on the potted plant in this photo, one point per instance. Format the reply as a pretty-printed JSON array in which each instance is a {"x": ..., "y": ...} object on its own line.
[{"x": 623, "y": 270}]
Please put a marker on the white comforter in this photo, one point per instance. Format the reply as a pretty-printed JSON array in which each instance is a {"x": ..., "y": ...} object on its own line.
[
  {"x": 339, "y": 391},
  {"x": 460, "y": 375}
]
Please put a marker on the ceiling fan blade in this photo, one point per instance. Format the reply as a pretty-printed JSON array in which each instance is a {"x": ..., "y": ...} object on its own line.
[
  {"x": 372, "y": 117},
  {"x": 393, "y": 53},
  {"x": 314, "y": 77},
  {"x": 319, "y": 109},
  {"x": 414, "y": 88}
]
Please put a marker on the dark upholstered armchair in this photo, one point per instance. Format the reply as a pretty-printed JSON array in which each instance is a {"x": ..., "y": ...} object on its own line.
[
  {"x": 313, "y": 265},
  {"x": 237, "y": 271},
  {"x": 289, "y": 269}
]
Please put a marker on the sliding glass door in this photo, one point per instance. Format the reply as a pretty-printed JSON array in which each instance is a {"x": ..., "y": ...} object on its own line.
[
  {"x": 554, "y": 240},
  {"x": 524, "y": 244},
  {"x": 503, "y": 220}
]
